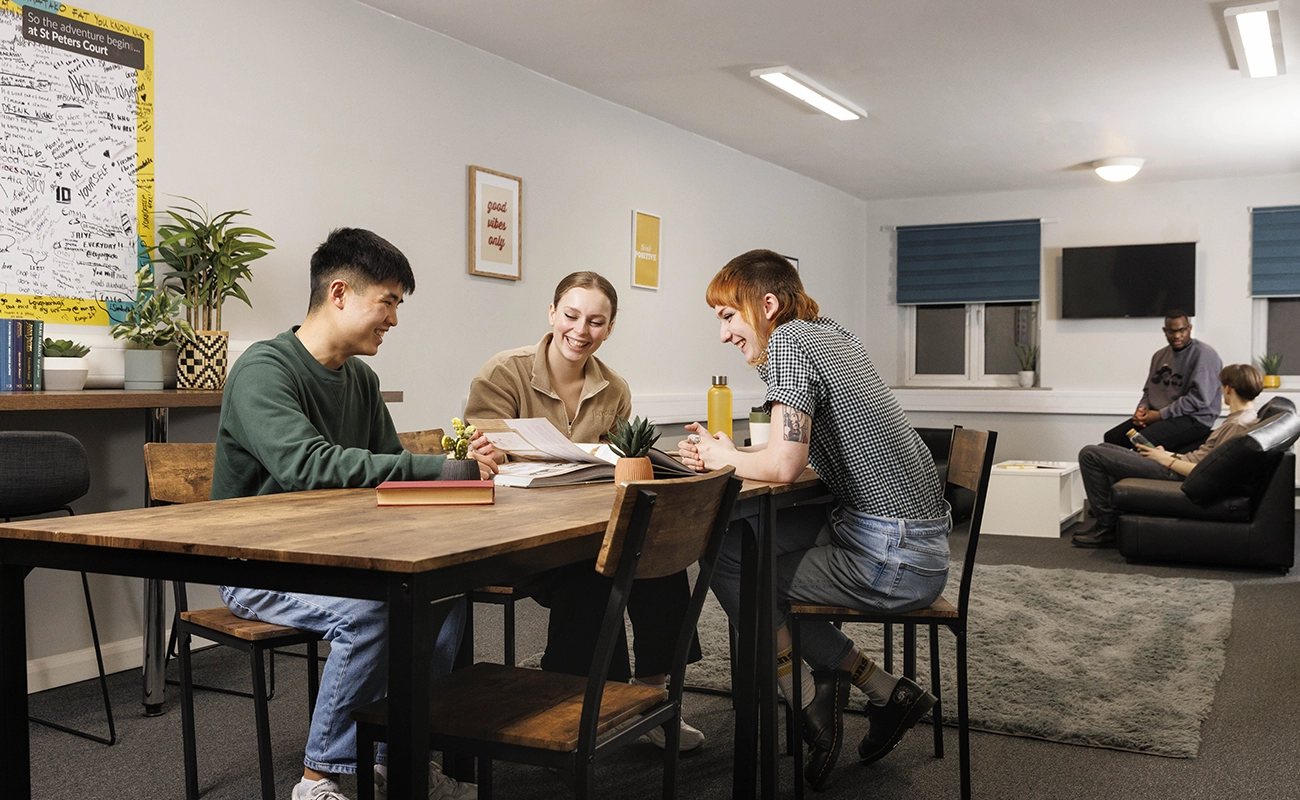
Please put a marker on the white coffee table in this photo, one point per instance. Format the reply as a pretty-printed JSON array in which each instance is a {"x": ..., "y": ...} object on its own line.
[{"x": 1033, "y": 498}]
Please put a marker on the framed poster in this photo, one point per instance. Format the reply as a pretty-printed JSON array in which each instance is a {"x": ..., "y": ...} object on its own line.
[
  {"x": 494, "y": 214},
  {"x": 76, "y": 162},
  {"x": 645, "y": 250}
]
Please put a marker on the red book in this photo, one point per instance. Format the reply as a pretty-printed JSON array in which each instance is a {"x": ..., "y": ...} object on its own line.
[{"x": 435, "y": 493}]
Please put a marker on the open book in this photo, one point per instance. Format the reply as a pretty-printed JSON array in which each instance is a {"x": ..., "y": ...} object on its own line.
[{"x": 545, "y": 457}]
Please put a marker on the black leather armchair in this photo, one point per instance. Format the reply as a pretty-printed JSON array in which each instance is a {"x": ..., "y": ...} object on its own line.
[{"x": 1237, "y": 508}]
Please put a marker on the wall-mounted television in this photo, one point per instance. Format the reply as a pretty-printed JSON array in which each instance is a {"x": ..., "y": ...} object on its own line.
[{"x": 1135, "y": 280}]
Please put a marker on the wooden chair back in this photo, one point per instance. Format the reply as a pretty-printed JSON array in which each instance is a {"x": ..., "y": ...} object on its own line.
[
  {"x": 970, "y": 464},
  {"x": 422, "y": 443},
  {"x": 684, "y": 513},
  {"x": 179, "y": 473}
]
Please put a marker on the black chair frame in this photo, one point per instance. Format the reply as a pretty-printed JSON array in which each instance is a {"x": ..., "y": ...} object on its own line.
[{"x": 910, "y": 620}]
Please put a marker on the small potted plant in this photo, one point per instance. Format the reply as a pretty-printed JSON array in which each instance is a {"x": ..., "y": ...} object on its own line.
[
  {"x": 460, "y": 465},
  {"x": 152, "y": 323},
  {"x": 210, "y": 259},
  {"x": 632, "y": 441},
  {"x": 65, "y": 367},
  {"x": 1271, "y": 365},
  {"x": 1028, "y": 355}
]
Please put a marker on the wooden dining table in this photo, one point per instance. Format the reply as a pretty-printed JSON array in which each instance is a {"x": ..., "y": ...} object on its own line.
[{"x": 339, "y": 542}]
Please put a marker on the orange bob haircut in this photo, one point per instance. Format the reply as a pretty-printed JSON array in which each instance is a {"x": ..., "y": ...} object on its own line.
[{"x": 748, "y": 278}]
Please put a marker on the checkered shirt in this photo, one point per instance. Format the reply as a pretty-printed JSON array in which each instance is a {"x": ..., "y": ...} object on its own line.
[{"x": 862, "y": 445}]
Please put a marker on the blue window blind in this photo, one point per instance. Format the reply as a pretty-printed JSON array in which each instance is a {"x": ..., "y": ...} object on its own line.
[
  {"x": 978, "y": 262},
  {"x": 1275, "y": 252}
]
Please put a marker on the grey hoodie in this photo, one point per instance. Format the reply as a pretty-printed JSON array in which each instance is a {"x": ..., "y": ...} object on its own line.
[{"x": 1185, "y": 383}]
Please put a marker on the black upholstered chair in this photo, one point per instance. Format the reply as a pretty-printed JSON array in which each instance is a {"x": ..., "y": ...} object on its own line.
[
  {"x": 1237, "y": 508},
  {"x": 42, "y": 472}
]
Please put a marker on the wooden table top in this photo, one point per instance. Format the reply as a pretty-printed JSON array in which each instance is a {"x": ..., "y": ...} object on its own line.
[{"x": 345, "y": 528}]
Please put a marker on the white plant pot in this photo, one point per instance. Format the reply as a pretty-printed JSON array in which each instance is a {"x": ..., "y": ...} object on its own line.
[
  {"x": 65, "y": 374},
  {"x": 1026, "y": 377}
]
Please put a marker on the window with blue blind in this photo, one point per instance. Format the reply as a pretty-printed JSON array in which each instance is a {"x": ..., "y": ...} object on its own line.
[
  {"x": 978, "y": 262},
  {"x": 1275, "y": 252}
]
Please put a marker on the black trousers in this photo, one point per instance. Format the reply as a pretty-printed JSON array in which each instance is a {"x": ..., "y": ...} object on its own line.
[
  {"x": 1177, "y": 434},
  {"x": 577, "y": 594}
]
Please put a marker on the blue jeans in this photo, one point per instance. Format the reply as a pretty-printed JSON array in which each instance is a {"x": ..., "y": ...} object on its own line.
[
  {"x": 356, "y": 671},
  {"x": 838, "y": 556}
]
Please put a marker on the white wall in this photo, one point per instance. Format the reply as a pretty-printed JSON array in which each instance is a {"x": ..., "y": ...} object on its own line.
[
  {"x": 320, "y": 114},
  {"x": 1109, "y": 355}
]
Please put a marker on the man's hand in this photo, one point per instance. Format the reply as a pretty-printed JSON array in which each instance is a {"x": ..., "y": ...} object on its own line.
[{"x": 1146, "y": 416}]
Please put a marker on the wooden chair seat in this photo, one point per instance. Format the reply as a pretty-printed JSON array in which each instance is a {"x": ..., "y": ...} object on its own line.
[
  {"x": 221, "y": 620},
  {"x": 526, "y": 707}
]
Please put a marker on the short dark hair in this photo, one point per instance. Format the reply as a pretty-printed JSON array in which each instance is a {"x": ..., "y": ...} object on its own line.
[
  {"x": 588, "y": 280},
  {"x": 1244, "y": 379},
  {"x": 362, "y": 258},
  {"x": 1177, "y": 313}
]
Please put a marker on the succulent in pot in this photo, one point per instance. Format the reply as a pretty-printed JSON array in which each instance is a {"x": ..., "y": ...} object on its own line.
[
  {"x": 631, "y": 441},
  {"x": 65, "y": 367},
  {"x": 1271, "y": 365}
]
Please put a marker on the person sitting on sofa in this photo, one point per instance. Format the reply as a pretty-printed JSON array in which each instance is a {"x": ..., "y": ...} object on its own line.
[{"x": 1101, "y": 465}]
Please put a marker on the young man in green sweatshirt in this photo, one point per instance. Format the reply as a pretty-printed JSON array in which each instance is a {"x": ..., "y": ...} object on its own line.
[{"x": 301, "y": 412}]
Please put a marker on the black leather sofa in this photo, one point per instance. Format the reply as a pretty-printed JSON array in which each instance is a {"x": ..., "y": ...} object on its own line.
[{"x": 1237, "y": 508}]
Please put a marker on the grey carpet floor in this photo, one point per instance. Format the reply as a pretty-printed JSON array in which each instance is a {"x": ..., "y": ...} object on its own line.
[{"x": 1250, "y": 743}]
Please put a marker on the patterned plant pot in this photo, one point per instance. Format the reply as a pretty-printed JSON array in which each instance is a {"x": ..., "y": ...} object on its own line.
[{"x": 201, "y": 364}]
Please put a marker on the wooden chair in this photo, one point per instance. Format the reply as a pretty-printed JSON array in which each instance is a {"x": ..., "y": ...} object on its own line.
[
  {"x": 549, "y": 719},
  {"x": 970, "y": 463},
  {"x": 182, "y": 473},
  {"x": 429, "y": 442},
  {"x": 42, "y": 472}
]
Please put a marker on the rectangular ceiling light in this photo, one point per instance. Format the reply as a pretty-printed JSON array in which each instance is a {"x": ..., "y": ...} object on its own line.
[
  {"x": 1256, "y": 39},
  {"x": 809, "y": 91}
]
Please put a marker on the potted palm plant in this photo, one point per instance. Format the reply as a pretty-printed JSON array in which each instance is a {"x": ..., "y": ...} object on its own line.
[
  {"x": 65, "y": 366},
  {"x": 632, "y": 441},
  {"x": 210, "y": 259},
  {"x": 151, "y": 324},
  {"x": 460, "y": 465},
  {"x": 1271, "y": 365}
]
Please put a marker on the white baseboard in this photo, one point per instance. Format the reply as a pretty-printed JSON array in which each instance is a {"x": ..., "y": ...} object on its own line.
[{"x": 79, "y": 665}]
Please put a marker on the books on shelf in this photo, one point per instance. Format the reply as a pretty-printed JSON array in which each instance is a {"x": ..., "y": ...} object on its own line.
[
  {"x": 435, "y": 493},
  {"x": 21, "y": 359},
  {"x": 545, "y": 457}
]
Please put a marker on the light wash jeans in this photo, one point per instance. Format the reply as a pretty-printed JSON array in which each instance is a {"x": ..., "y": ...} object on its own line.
[
  {"x": 356, "y": 671},
  {"x": 838, "y": 556}
]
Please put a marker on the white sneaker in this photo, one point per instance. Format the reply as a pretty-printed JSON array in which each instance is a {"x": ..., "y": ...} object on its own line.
[
  {"x": 690, "y": 738},
  {"x": 441, "y": 787},
  {"x": 324, "y": 789}
]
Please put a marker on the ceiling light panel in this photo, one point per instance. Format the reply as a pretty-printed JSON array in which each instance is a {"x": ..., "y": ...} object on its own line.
[
  {"x": 1256, "y": 36},
  {"x": 809, "y": 91}
]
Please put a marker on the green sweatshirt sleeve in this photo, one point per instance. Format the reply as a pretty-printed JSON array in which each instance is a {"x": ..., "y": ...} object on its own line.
[{"x": 284, "y": 429}]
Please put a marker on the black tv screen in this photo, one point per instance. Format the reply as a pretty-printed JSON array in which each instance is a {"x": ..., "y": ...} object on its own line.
[{"x": 1135, "y": 280}]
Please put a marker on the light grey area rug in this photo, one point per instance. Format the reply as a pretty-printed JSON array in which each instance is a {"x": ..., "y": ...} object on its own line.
[{"x": 1127, "y": 662}]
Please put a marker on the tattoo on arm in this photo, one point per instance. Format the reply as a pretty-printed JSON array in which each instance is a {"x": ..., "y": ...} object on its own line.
[{"x": 796, "y": 426}]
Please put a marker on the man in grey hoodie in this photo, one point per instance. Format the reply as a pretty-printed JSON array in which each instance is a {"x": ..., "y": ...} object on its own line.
[{"x": 1181, "y": 399}]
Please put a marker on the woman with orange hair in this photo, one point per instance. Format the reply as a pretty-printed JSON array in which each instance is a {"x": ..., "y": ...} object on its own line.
[{"x": 883, "y": 543}]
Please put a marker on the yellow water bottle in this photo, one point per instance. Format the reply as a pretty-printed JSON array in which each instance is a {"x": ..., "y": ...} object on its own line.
[{"x": 720, "y": 406}]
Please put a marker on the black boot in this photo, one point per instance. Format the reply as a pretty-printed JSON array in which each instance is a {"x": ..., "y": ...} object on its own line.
[
  {"x": 907, "y": 704},
  {"x": 823, "y": 724}
]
